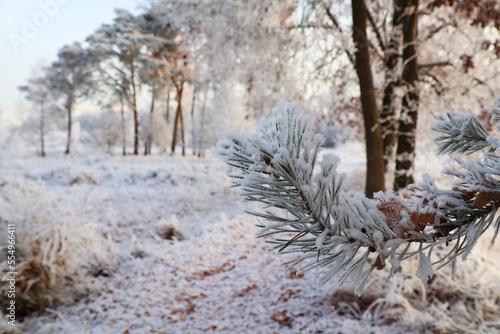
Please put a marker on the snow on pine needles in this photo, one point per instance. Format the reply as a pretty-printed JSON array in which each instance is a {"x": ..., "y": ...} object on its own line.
[{"x": 183, "y": 257}]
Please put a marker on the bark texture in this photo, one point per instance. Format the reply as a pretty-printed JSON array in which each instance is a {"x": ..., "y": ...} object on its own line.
[
  {"x": 405, "y": 154},
  {"x": 373, "y": 132}
]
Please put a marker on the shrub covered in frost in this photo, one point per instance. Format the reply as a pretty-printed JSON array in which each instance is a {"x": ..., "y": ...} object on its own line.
[
  {"x": 56, "y": 251},
  {"x": 335, "y": 134},
  {"x": 308, "y": 213},
  {"x": 337, "y": 126}
]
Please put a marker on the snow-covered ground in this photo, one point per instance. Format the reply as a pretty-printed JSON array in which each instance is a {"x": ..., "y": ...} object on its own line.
[{"x": 214, "y": 276}]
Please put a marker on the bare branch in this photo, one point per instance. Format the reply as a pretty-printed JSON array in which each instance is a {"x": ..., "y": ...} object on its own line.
[
  {"x": 434, "y": 64},
  {"x": 438, "y": 87},
  {"x": 310, "y": 26},
  {"x": 375, "y": 30},
  {"x": 437, "y": 30},
  {"x": 334, "y": 21}
]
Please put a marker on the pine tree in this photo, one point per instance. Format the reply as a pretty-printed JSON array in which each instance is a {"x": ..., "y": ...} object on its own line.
[
  {"x": 70, "y": 79},
  {"x": 307, "y": 212}
]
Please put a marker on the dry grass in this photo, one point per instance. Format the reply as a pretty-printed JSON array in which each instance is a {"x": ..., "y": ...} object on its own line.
[{"x": 55, "y": 249}]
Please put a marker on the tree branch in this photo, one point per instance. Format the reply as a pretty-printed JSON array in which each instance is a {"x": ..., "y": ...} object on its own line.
[
  {"x": 375, "y": 30},
  {"x": 330, "y": 228},
  {"x": 434, "y": 64},
  {"x": 335, "y": 23}
]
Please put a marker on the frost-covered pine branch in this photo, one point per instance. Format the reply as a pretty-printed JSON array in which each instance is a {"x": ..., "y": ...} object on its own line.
[
  {"x": 460, "y": 133},
  {"x": 307, "y": 212}
]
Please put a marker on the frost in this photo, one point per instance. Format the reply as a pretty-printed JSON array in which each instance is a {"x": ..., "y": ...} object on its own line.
[
  {"x": 378, "y": 238},
  {"x": 471, "y": 232},
  {"x": 219, "y": 271},
  {"x": 321, "y": 238},
  {"x": 425, "y": 271},
  {"x": 325, "y": 226}
]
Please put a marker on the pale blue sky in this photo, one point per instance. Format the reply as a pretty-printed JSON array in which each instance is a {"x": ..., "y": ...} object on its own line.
[{"x": 59, "y": 22}]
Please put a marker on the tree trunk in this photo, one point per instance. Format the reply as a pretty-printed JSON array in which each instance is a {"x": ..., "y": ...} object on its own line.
[
  {"x": 405, "y": 154},
  {"x": 42, "y": 129},
  {"x": 183, "y": 141},
  {"x": 69, "y": 109},
  {"x": 193, "y": 133},
  {"x": 201, "y": 152},
  {"x": 388, "y": 119},
  {"x": 134, "y": 110},
  {"x": 373, "y": 134},
  {"x": 167, "y": 113},
  {"x": 149, "y": 139},
  {"x": 178, "y": 115},
  {"x": 124, "y": 134}
]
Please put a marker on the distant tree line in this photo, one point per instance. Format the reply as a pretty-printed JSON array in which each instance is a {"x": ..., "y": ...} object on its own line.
[
  {"x": 168, "y": 49},
  {"x": 181, "y": 71}
]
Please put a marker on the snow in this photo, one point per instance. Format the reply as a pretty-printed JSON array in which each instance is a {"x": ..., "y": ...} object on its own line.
[
  {"x": 425, "y": 270},
  {"x": 215, "y": 276}
]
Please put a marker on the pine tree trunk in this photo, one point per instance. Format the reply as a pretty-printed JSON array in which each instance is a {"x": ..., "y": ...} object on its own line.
[
  {"x": 405, "y": 154},
  {"x": 167, "y": 112},
  {"x": 201, "y": 152},
  {"x": 124, "y": 133},
  {"x": 178, "y": 114},
  {"x": 193, "y": 133},
  {"x": 69, "y": 109},
  {"x": 136, "y": 130},
  {"x": 42, "y": 129},
  {"x": 373, "y": 134},
  {"x": 134, "y": 110},
  {"x": 388, "y": 119},
  {"x": 183, "y": 141},
  {"x": 149, "y": 139}
]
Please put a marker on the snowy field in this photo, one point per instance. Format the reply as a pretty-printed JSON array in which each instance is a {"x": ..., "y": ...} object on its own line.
[{"x": 171, "y": 250}]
